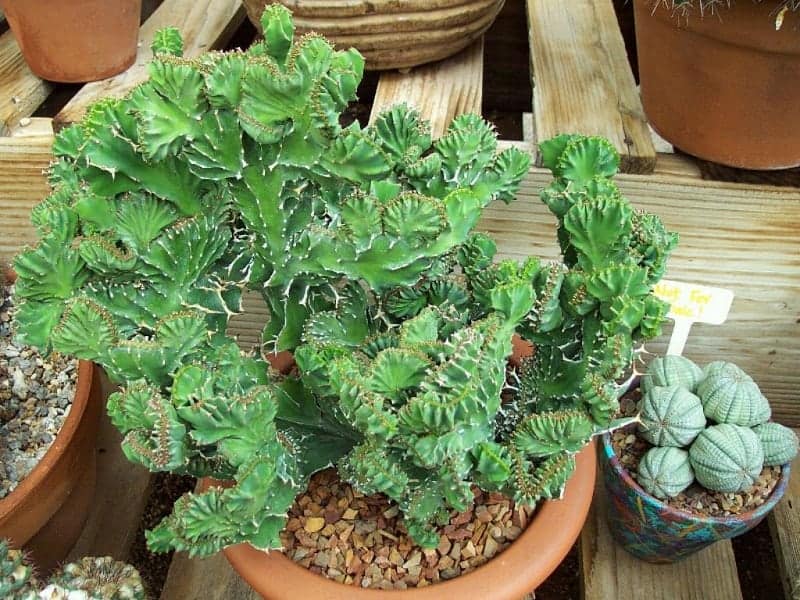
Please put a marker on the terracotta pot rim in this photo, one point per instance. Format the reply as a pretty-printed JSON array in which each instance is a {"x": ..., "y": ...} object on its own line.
[
  {"x": 33, "y": 481},
  {"x": 757, "y": 514},
  {"x": 742, "y": 28},
  {"x": 516, "y": 571}
]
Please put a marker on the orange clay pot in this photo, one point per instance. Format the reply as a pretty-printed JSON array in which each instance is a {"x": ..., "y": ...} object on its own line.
[
  {"x": 45, "y": 513},
  {"x": 509, "y": 576},
  {"x": 75, "y": 40},
  {"x": 723, "y": 86}
]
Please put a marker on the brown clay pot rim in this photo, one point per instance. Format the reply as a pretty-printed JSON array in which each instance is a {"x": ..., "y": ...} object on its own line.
[
  {"x": 742, "y": 25},
  {"x": 520, "y": 568},
  {"x": 31, "y": 484}
]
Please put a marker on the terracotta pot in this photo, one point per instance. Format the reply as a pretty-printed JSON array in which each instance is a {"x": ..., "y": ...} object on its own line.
[
  {"x": 45, "y": 513},
  {"x": 658, "y": 533},
  {"x": 391, "y": 34},
  {"x": 722, "y": 87},
  {"x": 518, "y": 570},
  {"x": 75, "y": 40}
]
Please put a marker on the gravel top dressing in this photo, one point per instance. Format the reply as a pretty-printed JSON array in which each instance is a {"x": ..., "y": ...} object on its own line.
[
  {"x": 360, "y": 540},
  {"x": 35, "y": 397}
]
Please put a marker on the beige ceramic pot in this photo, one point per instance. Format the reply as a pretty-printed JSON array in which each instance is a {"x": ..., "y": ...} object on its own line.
[
  {"x": 391, "y": 34},
  {"x": 723, "y": 87},
  {"x": 75, "y": 40}
]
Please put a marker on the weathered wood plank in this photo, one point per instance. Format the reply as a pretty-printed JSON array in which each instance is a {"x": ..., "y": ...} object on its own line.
[
  {"x": 440, "y": 91},
  {"x": 21, "y": 92},
  {"x": 784, "y": 523},
  {"x": 23, "y": 157},
  {"x": 246, "y": 327},
  {"x": 201, "y": 579},
  {"x": 120, "y": 497},
  {"x": 582, "y": 82},
  {"x": 736, "y": 236},
  {"x": 204, "y": 24},
  {"x": 608, "y": 571},
  {"x": 677, "y": 165}
]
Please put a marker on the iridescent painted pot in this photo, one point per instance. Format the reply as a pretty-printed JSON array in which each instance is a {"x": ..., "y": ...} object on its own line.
[{"x": 658, "y": 533}]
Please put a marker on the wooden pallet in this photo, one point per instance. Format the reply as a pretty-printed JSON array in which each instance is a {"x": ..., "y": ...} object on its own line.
[{"x": 739, "y": 236}]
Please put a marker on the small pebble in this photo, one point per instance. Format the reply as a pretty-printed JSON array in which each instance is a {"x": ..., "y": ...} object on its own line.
[{"x": 368, "y": 545}]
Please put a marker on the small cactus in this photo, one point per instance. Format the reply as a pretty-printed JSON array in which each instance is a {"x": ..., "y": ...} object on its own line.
[
  {"x": 665, "y": 472},
  {"x": 727, "y": 458},
  {"x": 90, "y": 578},
  {"x": 671, "y": 416},
  {"x": 779, "y": 443},
  {"x": 672, "y": 370},
  {"x": 729, "y": 395},
  {"x": 16, "y": 575},
  {"x": 102, "y": 578}
]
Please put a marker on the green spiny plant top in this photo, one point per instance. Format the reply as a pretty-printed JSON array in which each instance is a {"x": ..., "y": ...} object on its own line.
[
  {"x": 596, "y": 307},
  {"x": 231, "y": 171},
  {"x": 89, "y": 578}
]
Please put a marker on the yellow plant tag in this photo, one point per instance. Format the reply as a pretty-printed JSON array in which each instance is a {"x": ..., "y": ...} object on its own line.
[{"x": 691, "y": 303}]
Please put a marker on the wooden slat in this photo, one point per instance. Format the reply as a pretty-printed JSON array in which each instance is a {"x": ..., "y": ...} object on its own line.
[
  {"x": 203, "y": 579},
  {"x": 735, "y": 236},
  {"x": 677, "y": 165},
  {"x": 439, "y": 90},
  {"x": 120, "y": 497},
  {"x": 528, "y": 128},
  {"x": 23, "y": 158},
  {"x": 608, "y": 571},
  {"x": 21, "y": 92},
  {"x": 784, "y": 523},
  {"x": 247, "y": 326},
  {"x": 204, "y": 24},
  {"x": 582, "y": 82}
]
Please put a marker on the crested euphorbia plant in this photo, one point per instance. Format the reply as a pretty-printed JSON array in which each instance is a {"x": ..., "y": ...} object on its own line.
[{"x": 231, "y": 171}]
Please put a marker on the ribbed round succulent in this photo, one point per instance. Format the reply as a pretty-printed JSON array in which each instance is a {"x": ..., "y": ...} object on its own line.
[
  {"x": 672, "y": 370},
  {"x": 665, "y": 472},
  {"x": 779, "y": 443},
  {"x": 671, "y": 416},
  {"x": 729, "y": 395},
  {"x": 727, "y": 458}
]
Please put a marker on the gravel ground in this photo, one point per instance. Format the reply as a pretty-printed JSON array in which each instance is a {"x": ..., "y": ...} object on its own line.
[{"x": 35, "y": 398}]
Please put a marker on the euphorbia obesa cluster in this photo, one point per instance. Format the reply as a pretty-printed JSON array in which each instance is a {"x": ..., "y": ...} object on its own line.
[{"x": 231, "y": 171}]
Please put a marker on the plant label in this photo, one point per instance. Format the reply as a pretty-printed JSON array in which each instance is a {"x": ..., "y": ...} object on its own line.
[{"x": 691, "y": 303}]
